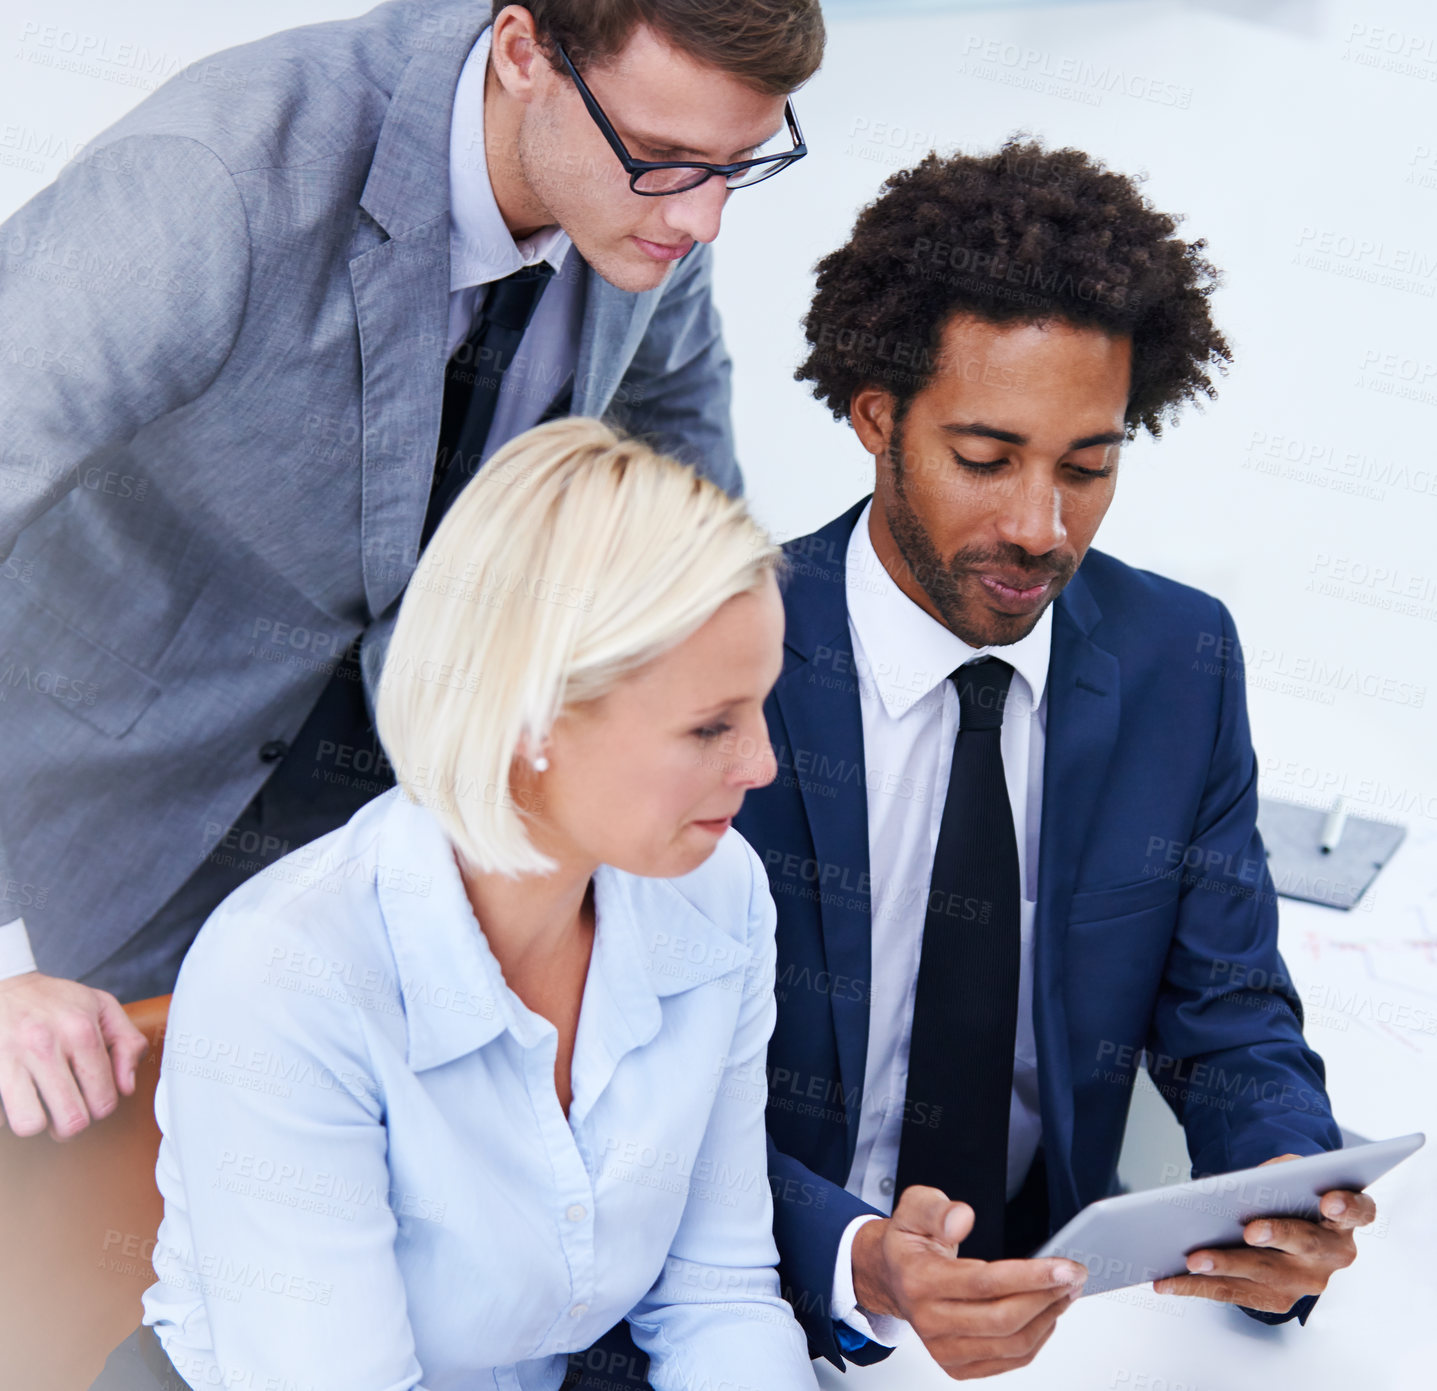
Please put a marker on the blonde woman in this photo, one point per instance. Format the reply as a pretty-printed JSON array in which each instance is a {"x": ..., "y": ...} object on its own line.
[{"x": 452, "y": 1090}]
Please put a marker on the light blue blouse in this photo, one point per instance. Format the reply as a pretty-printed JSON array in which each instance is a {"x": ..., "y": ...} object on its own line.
[{"x": 369, "y": 1183}]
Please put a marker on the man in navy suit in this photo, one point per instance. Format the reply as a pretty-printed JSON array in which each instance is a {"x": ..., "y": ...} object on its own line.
[{"x": 1013, "y": 838}]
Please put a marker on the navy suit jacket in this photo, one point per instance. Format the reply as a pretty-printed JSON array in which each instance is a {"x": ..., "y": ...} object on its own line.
[{"x": 1155, "y": 940}]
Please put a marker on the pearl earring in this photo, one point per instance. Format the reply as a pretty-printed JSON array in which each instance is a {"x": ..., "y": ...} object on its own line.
[{"x": 541, "y": 764}]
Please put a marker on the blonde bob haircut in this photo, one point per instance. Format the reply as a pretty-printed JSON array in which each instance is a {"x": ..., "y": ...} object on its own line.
[{"x": 572, "y": 559}]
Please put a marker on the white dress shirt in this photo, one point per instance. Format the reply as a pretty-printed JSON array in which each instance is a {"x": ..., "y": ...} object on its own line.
[
  {"x": 369, "y": 1180},
  {"x": 15, "y": 955},
  {"x": 481, "y": 250},
  {"x": 904, "y": 658}
]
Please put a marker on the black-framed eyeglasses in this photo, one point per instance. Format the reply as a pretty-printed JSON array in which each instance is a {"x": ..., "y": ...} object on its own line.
[{"x": 656, "y": 178}]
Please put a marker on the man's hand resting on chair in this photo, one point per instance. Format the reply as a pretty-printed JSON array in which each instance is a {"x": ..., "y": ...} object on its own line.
[
  {"x": 976, "y": 1318},
  {"x": 64, "y": 1048}
]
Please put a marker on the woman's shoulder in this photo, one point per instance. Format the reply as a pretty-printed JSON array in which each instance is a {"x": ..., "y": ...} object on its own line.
[{"x": 309, "y": 925}]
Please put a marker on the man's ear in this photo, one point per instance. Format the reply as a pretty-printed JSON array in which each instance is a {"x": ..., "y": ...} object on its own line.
[
  {"x": 870, "y": 410},
  {"x": 514, "y": 53}
]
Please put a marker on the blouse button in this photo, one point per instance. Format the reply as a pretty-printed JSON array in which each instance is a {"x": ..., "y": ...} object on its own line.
[
  {"x": 576, "y": 1213},
  {"x": 578, "y": 1311}
]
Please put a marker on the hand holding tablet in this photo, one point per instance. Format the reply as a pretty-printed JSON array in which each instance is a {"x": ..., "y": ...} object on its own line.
[
  {"x": 1262, "y": 1237},
  {"x": 1284, "y": 1259},
  {"x": 976, "y": 1318}
]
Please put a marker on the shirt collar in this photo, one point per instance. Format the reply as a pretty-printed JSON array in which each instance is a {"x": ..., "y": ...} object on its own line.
[
  {"x": 909, "y": 652},
  {"x": 652, "y": 941},
  {"x": 481, "y": 247}
]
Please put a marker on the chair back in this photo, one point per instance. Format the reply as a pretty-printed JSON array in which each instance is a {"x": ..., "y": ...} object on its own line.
[{"x": 77, "y": 1231}]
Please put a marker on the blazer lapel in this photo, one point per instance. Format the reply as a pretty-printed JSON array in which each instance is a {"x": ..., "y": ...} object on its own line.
[
  {"x": 401, "y": 299},
  {"x": 1083, "y": 709},
  {"x": 817, "y": 697},
  {"x": 613, "y": 325}
]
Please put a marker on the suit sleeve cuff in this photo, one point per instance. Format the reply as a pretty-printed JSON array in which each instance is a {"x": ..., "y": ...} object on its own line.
[
  {"x": 16, "y": 958},
  {"x": 879, "y": 1328},
  {"x": 1299, "y": 1311}
]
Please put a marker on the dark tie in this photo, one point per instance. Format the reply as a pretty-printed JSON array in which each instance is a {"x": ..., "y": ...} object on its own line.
[
  {"x": 965, "y": 1010},
  {"x": 316, "y": 787},
  {"x": 472, "y": 379}
]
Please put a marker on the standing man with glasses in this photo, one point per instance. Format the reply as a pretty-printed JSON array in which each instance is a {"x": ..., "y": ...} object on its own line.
[{"x": 283, "y": 315}]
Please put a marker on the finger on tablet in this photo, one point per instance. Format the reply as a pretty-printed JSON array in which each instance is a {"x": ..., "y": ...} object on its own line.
[
  {"x": 1293, "y": 1235},
  {"x": 1346, "y": 1210},
  {"x": 1225, "y": 1289},
  {"x": 1235, "y": 1262},
  {"x": 1007, "y": 1317},
  {"x": 999, "y": 1279}
]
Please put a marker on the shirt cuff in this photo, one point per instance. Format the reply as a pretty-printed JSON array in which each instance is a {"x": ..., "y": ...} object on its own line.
[
  {"x": 881, "y": 1328},
  {"x": 15, "y": 955}
]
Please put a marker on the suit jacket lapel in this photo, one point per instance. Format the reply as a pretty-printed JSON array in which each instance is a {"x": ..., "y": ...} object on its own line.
[
  {"x": 1083, "y": 711},
  {"x": 817, "y": 697},
  {"x": 401, "y": 298},
  {"x": 613, "y": 325}
]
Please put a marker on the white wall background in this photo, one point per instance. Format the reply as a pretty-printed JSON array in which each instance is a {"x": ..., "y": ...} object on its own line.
[{"x": 1309, "y": 161}]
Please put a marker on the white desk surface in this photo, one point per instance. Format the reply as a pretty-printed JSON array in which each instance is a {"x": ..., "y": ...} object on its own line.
[{"x": 1368, "y": 980}]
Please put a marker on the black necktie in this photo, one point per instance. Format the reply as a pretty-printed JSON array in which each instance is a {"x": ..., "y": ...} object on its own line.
[
  {"x": 472, "y": 379},
  {"x": 965, "y": 1010},
  {"x": 308, "y": 791}
]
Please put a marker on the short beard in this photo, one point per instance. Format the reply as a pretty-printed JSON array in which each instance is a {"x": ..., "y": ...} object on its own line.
[{"x": 941, "y": 580}]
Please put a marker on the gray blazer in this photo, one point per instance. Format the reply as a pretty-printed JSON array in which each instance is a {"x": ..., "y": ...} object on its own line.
[{"x": 222, "y": 339}]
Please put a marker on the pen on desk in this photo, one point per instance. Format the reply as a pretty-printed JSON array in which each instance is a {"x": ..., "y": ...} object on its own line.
[{"x": 1332, "y": 827}]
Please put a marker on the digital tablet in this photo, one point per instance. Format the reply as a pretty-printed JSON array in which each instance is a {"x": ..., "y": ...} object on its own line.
[{"x": 1138, "y": 1237}]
